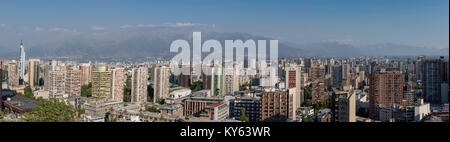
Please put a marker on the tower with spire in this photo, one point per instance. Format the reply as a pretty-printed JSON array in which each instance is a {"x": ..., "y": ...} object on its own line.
[{"x": 22, "y": 62}]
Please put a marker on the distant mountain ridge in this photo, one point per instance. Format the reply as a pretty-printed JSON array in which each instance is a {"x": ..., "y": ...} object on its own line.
[{"x": 156, "y": 42}]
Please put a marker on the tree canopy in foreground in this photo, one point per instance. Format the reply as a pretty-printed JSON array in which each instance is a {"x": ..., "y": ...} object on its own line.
[{"x": 52, "y": 110}]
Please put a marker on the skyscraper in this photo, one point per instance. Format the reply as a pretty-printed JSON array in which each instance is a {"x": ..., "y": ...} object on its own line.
[
  {"x": 230, "y": 80},
  {"x": 13, "y": 76},
  {"x": 101, "y": 82},
  {"x": 344, "y": 106},
  {"x": 139, "y": 78},
  {"x": 346, "y": 74},
  {"x": 336, "y": 75},
  {"x": 206, "y": 80},
  {"x": 293, "y": 81},
  {"x": 185, "y": 80},
  {"x": 318, "y": 84},
  {"x": 434, "y": 74},
  {"x": 33, "y": 72},
  {"x": 86, "y": 73},
  {"x": 216, "y": 80},
  {"x": 73, "y": 82},
  {"x": 22, "y": 62},
  {"x": 55, "y": 81},
  {"x": 119, "y": 79},
  {"x": 1, "y": 85},
  {"x": 293, "y": 103},
  {"x": 386, "y": 89}
]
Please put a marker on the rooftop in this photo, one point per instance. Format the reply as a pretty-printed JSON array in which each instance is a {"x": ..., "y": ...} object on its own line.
[
  {"x": 19, "y": 102},
  {"x": 216, "y": 105}
]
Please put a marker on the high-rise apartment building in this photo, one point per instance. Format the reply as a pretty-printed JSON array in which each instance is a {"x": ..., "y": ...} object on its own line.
[
  {"x": 119, "y": 79},
  {"x": 275, "y": 106},
  {"x": 13, "y": 74},
  {"x": 293, "y": 103},
  {"x": 344, "y": 106},
  {"x": 33, "y": 72},
  {"x": 386, "y": 89},
  {"x": 419, "y": 67},
  {"x": 346, "y": 76},
  {"x": 318, "y": 83},
  {"x": 139, "y": 78},
  {"x": 336, "y": 75},
  {"x": 216, "y": 81},
  {"x": 1, "y": 85},
  {"x": 185, "y": 80},
  {"x": 230, "y": 80},
  {"x": 73, "y": 82},
  {"x": 293, "y": 81},
  {"x": 55, "y": 82},
  {"x": 101, "y": 82},
  {"x": 206, "y": 80},
  {"x": 434, "y": 74},
  {"x": 86, "y": 73},
  {"x": 161, "y": 84}
]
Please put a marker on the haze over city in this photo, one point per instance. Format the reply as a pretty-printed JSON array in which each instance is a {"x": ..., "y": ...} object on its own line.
[{"x": 309, "y": 28}]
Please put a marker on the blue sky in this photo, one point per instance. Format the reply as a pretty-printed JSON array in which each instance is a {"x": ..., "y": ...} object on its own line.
[{"x": 410, "y": 22}]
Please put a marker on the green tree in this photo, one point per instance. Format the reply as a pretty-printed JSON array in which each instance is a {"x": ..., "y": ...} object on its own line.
[
  {"x": 28, "y": 92},
  {"x": 5, "y": 74},
  {"x": 127, "y": 91},
  {"x": 150, "y": 92},
  {"x": 196, "y": 86},
  {"x": 307, "y": 103},
  {"x": 303, "y": 117},
  {"x": 161, "y": 101},
  {"x": 243, "y": 118},
  {"x": 244, "y": 86},
  {"x": 86, "y": 90},
  {"x": 81, "y": 111},
  {"x": 308, "y": 91},
  {"x": 52, "y": 110}
]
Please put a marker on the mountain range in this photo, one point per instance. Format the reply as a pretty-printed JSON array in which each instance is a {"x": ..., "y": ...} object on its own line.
[{"x": 155, "y": 42}]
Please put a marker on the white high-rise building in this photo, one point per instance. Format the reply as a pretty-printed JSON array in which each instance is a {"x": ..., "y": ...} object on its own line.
[
  {"x": 231, "y": 80},
  {"x": 139, "y": 78},
  {"x": 161, "y": 76},
  {"x": 13, "y": 76},
  {"x": 55, "y": 82},
  {"x": 293, "y": 81}
]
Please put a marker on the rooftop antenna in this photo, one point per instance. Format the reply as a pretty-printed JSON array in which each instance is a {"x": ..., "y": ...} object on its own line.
[{"x": 21, "y": 43}]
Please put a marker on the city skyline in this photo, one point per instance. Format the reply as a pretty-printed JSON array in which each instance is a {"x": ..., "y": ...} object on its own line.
[{"x": 99, "y": 67}]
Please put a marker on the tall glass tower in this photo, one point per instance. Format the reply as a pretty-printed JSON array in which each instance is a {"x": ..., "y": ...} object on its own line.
[{"x": 22, "y": 62}]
